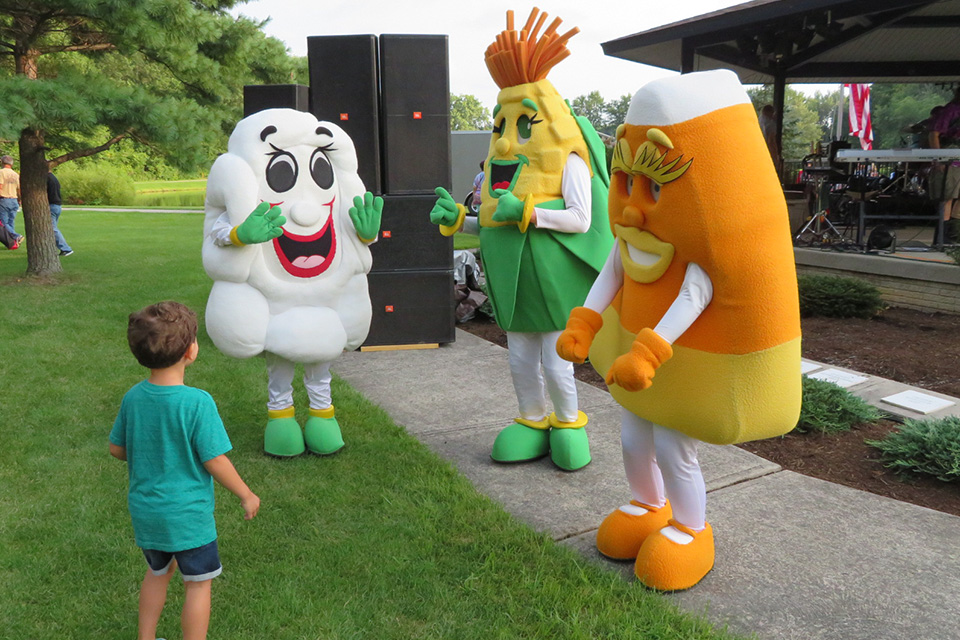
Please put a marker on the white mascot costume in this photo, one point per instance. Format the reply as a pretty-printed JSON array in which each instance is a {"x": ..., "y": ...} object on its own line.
[{"x": 292, "y": 286}]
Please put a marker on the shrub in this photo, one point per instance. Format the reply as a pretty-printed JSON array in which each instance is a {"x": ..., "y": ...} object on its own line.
[
  {"x": 828, "y": 408},
  {"x": 924, "y": 447},
  {"x": 96, "y": 185},
  {"x": 836, "y": 297}
]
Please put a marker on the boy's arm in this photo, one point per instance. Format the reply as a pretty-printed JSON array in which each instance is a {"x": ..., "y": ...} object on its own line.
[
  {"x": 224, "y": 472},
  {"x": 118, "y": 452}
]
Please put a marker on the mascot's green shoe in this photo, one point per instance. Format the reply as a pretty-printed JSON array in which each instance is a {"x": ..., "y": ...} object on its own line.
[
  {"x": 523, "y": 440},
  {"x": 283, "y": 437},
  {"x": 322, "y": 432},
  {"x": 569, "y": 447}
]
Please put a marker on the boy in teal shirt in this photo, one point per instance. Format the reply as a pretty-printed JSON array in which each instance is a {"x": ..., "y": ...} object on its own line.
[{"x": 175, "y": 445}]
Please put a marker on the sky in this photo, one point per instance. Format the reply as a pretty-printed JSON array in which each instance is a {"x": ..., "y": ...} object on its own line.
[{"x": 472, "y": 26}]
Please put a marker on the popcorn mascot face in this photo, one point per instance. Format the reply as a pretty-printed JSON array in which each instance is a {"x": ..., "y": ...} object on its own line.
[{"x": 292, "y": 286}]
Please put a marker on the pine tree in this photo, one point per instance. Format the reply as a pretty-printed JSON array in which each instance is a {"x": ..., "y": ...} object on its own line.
[{"x": 168, "y": 73}]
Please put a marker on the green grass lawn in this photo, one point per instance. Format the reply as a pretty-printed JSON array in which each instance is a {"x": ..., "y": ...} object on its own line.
[{"x": 383, "y": 540}]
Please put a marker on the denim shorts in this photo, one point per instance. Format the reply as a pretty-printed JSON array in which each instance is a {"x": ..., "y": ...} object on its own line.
[{"x": 196, "y": 565}]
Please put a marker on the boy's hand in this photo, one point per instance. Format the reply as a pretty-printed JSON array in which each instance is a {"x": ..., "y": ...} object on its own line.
[{"x": 251, "y": 505}]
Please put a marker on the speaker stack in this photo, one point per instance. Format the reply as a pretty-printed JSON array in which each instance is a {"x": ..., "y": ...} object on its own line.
[
  {"x": 391, "y": 95},
  {"x": 259, "y": 97}
]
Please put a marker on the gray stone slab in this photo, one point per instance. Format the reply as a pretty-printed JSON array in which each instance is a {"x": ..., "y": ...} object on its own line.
[
  {"x": 803, "y": 559},
  {"x": 458, "y": 386},
  {"x": 566, "y": 504},
  {"x": 466, "y": 347},
  {"x": 880, "y": 388}
]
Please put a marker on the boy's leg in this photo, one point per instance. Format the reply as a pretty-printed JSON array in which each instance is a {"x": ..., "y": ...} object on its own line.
[
  {"x": 195, "y": 619},
  {"x": 153, "y": 595}
]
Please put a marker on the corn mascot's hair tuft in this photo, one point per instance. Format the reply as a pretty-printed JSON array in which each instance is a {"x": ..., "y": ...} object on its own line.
[{"x": 519, "y": 58}]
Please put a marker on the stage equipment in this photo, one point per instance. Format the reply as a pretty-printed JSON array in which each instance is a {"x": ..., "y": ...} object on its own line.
[
  {"x": 860, "y": 160},
  {"x": 260, "y": 97}
]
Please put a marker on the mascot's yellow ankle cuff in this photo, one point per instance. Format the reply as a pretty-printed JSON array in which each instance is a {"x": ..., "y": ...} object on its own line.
[
  {"x": 280, "y": 413},
  {"x": 322, "y": 413},
  {"x": 543, "y": 425},
  {"x": 235, "y": 239},
  {"x": 452, "y": 229},
  {"x": 579, "y": 423}
]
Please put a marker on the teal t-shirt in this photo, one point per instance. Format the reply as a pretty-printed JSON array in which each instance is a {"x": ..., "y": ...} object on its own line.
[{"x": 169, "y": 432}]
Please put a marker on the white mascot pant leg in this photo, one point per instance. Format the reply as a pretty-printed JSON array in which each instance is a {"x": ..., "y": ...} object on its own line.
[
  {"x": 660, "y": 464},
  {"x": 280, "y": 372},
  {"x": 316, "y": 378},
  {"x": 529, "y": 352}
]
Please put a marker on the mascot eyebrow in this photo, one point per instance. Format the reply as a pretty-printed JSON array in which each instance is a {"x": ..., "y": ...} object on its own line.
[
  {"x": 648, "y": 160},
  {"x": 267, "y": 131}
]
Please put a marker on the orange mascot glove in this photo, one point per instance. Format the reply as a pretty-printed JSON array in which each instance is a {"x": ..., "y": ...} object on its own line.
[
  {"x": 633, "y": 370},
  {"x": 574, "y": 343}
]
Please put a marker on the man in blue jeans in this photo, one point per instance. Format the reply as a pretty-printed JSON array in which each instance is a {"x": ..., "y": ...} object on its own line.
[
  {"x": 53, "y": 196},
  {"x": 9, "y": 195}
]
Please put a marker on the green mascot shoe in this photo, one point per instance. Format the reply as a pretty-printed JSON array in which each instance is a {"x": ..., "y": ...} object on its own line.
[
  {"x": 322, "y": 432},
  {"x": 283, "y": 437},
  {"x": 569, "y": 447},
  {"x": 521, "y": 441}
]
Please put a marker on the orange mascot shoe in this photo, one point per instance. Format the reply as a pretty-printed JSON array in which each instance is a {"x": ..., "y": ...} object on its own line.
[
  {"x": 665, "y": 565},
  {"x": 622, "y": 533}
]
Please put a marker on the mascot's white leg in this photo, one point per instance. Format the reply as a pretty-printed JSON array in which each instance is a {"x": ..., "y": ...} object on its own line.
[
  {"x": 569, "y": 447},
  {"x": 640, "y": 459},
  {"x": 237, "y": 335},
  {"x": 322, "y": 431},
  {"x": 682, "y": 478},
  {"x": 524, "y": 352},
  {"x": 282, "y": 437},
  {"x": 280, "y": 373},
  {"x": 316, "y": 378}
]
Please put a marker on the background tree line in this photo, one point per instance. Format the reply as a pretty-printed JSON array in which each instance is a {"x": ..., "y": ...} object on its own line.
[{"x": 151, "y": 89}]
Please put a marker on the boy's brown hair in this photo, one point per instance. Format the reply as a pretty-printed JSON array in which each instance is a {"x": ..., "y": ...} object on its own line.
[{"x": 159, "y": 335}]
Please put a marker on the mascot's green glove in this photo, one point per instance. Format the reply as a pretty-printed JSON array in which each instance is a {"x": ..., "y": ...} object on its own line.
[
  {"x": 510, "y": 208},
  {"x": 366, "y": 213},
  {"x": 447, "y": 213},
  {"x": 262, "y": 225}
]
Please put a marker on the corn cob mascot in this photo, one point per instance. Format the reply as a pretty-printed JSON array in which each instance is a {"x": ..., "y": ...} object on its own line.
[
  {"x": 544, "y": 236},
  {"x": 696, "y": 331},
  {"x": 291, "y": 287}
]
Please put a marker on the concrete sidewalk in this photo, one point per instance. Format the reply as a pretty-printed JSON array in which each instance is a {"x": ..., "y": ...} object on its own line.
[{"x": 797, "y": 558}]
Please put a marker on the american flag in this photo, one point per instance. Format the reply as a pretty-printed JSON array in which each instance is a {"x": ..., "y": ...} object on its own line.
[{"x": 860, "y": 114}]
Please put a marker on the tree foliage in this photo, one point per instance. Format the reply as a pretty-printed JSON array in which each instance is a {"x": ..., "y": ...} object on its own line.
[
  {"x": 79, "y": 76},
  {"x": 467, "y": 113}
]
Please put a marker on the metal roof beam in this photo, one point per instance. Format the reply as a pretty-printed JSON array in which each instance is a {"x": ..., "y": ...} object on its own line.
[{"x": 917, "y": 68}]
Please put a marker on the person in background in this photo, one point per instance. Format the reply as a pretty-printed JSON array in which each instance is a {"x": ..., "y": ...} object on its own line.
[
  {"x": 53, "y": 196},
  {"x": 477, "y": 190},
  {"x": 768, "y": 125},
  {"x": 7, "y": 239},
  {"x": 945, "y": 181},
  {"x": 9, "y": 196}
]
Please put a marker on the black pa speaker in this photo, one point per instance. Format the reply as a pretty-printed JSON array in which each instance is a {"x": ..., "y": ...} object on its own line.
[
  {"x": 411, "y": 307},
  {"x": 259, "y": 97},
  {"x": 344, "y": 85},
  {"x": 415, "y": 113},
  {"x": 408, "y": 240}
]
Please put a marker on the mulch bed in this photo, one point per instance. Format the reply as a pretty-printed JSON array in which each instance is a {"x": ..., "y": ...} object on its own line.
[{"x": 912, "y": 347}]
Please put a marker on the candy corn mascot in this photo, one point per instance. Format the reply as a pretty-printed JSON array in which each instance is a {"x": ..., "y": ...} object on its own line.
[
  {"x": 694, "y": 319},
  {"x": 544, "y": 236},
  {"x": 292, "y": 287}
]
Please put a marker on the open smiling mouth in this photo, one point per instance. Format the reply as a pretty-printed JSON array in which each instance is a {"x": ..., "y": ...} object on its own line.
[
  {"x": 308, "y": 256},
  {"x": 503, "y": 175}
]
